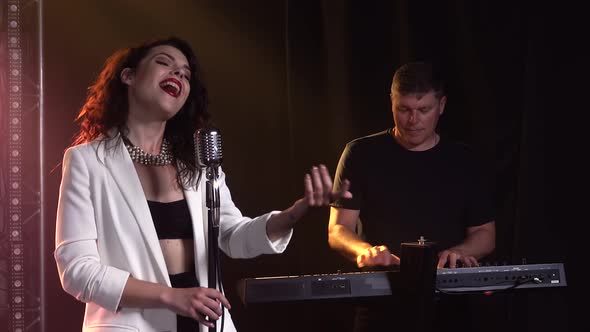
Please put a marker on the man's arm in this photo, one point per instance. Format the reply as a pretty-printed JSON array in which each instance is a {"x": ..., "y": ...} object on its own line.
[
  {"x": 342, "y": 235},
  {"x": 343, "y": 238},
  {"x": 479, "y": 242}
]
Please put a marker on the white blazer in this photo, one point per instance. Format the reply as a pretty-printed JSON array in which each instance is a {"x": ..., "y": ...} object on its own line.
[{"x": 105, "y": 233}]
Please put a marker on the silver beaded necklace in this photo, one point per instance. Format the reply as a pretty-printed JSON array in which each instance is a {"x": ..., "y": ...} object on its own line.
[{"x": 139, "y": 156}]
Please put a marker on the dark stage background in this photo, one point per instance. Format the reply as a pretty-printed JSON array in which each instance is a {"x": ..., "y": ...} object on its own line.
[{"x": 292, "y": 81}]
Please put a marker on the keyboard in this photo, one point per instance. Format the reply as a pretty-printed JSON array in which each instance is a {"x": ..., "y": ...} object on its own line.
[{"x": 387, "y": 283}]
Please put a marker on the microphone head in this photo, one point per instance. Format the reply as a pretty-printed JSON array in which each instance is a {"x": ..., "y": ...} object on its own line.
[{"x": 209, "y": 153}]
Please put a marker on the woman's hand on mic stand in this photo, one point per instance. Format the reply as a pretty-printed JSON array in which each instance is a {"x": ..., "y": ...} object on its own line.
[{"x": 317, "y": 192}]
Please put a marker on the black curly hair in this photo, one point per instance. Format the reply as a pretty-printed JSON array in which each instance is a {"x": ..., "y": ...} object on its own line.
[{"x": 107, "y": 106}]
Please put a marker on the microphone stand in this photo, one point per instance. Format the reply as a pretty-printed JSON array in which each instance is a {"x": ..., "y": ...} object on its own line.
[
  {"x": 212, "y": 184},
  {"x": 208, "y": 153}
]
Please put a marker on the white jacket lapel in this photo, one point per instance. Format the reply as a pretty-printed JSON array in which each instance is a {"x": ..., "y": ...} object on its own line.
[{"x": 120, "y": 165}]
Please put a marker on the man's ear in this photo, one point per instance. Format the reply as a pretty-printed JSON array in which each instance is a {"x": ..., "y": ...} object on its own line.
[
  {"x": 127, "y": 76},
  {"x": 442, "y": 103}
]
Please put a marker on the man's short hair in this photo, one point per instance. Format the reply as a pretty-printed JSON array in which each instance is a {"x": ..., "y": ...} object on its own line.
[{"x": 417, "y": 78}]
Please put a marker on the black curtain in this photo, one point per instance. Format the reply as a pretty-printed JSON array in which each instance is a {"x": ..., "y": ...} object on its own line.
[{"x": 340, "y": 57}]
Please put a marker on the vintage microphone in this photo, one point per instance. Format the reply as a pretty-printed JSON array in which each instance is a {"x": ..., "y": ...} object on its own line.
[{"x": 208, "y": 145}]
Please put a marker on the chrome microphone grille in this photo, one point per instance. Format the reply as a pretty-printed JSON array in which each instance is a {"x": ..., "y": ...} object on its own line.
[{"x": 209, "y": 149}]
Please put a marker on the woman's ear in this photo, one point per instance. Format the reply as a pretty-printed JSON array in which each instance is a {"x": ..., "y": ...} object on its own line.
[{"x": 127, "y": 76}]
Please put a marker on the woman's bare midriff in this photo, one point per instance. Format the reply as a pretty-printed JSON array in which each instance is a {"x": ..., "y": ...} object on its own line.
[{"x": 178, "y": 254}]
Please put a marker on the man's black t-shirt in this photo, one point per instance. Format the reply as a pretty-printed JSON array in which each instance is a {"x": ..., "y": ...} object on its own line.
[{"x": 403, "y": 194}]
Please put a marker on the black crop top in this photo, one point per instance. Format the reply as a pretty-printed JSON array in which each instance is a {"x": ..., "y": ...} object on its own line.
[{"x": 172, "y": 220}]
